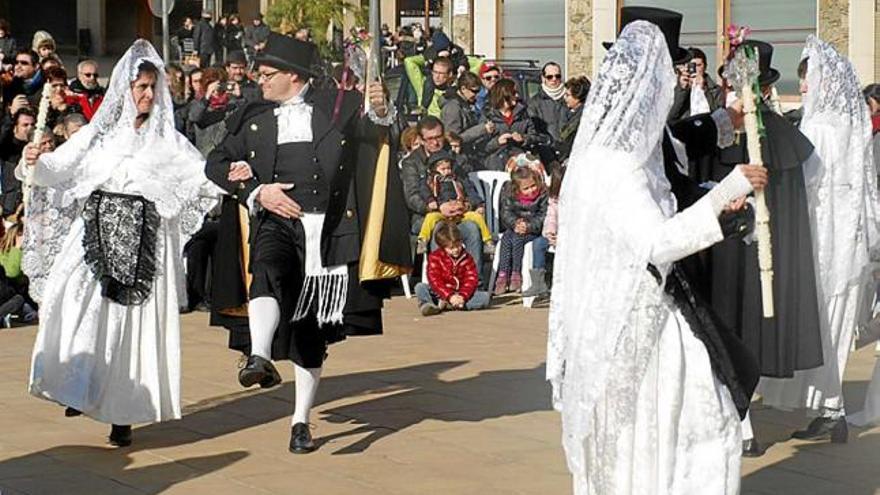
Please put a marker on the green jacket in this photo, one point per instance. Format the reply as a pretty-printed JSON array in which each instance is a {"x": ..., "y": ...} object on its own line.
[{"x": 415, "y": 72}]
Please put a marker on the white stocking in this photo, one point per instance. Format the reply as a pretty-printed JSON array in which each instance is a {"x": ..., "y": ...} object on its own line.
[
  {"x": 746, "y": 426},
  {"x": 306, "y": 385},
  {"x": 264, "y": 314}
]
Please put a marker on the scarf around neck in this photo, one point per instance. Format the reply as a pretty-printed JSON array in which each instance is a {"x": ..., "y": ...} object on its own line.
[{"x": 554, "y": 94}]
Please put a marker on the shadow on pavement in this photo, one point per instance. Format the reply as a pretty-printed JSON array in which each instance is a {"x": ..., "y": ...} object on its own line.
[{"x": 410, "y": 395}]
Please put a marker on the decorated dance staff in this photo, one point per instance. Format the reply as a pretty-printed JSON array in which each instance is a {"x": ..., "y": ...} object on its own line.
[
  {"x": 742, "y": 71},
  {"x": 42, "y": 113}
]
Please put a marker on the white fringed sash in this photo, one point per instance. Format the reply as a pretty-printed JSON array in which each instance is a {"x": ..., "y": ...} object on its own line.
[{"x": 330, "y": 285}]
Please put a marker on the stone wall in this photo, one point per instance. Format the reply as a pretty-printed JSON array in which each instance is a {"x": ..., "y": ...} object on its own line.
[
  {"x": 579, "y": 37},
  {"x": 834, "y": 23}
]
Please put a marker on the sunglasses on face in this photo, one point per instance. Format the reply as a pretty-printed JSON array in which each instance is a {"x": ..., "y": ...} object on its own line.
[
  {"x": 90, "y": 74},
  {"x": 22, "y": 62},
  {"x": 551, "y": 77},
  {"x": 491, "y": 78}
]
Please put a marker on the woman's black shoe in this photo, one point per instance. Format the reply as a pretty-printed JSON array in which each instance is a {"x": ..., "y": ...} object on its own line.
[
  {"x": 751, "y": 448},
  {"x": 301, "y": 439},
  {"x": 824, "y": 429},
  {"x": 120, "y": 435},
  {"x": 71, "y": 412},
  {"x": 258, "y": 370}
]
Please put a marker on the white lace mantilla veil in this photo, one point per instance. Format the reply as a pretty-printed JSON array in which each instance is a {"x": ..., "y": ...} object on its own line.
[
  {"x": 844, "y": 184},
  {"x": 170, "y": 170},
  {"x": 614, "y": 197}
]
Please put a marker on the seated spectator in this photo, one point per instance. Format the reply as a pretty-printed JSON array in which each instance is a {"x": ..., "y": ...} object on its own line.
[
  {"x": 576, "y": 91},
  {"x": 409, "y": 141},
  {"x": 490, "y": 73},
  {"x": 459, "y": 114},
  {"x": 514, "y": 131},
  {"x": 551, "y": 226},
  {"x": 43, "y": 44},
  {"x": 86, "y": 87},
  {"x": 522, "y": 211},
  {"x": 453, "y": 276},
  {"x": 464, "y": 163},
  {"x": 414, "y": 173},
  {"x": 14, "y": 299},
  {"x": 444, "y": 186}
]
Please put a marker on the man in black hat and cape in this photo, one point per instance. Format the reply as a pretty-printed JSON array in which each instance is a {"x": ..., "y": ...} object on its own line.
[
  {"x": 791, "y": 340},
  {"x": 304, "y": 163}
]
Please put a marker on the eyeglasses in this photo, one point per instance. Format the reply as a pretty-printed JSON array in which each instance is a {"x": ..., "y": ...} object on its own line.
[
  {"x": 440, "y": 73},
  {"x": 22, "y": 62},
  {"x": 551, "y": 77},
  {"x": 267, "y": 76},
  {"x": 491, "y": 78},
  {"x": 90, "y": 74}
]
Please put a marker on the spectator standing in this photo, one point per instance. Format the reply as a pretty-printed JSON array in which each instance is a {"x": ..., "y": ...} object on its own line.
[
  {"x": 236, "y": 69},
  {"x": 255, "y": 36},
  {"x": 234, "y": 39},
  {"x": 429, "y": 90},
  {"x": 453, "y": 276},
  {"x": 61, "y": 103},
  {"x": 27, "y": 80},
  {"x": 86, "y": 87},
  {"x": 12, "y": 142},
  {"x": 514, "y": 130},
  {"x": 547, "y": 108},
  {"x": 576, "y": 91},
  {"x": 220, "y": 39},
  {"x": 8, "y": 45},
  {"x": 459, "y": 114},
  {"x": 489, "y": 73},
  {"x": 204, "y": 39},
  {"x": 43, "y": 44}
]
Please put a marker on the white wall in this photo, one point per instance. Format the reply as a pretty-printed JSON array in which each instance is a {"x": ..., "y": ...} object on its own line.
[
  {"x": 486, "y": 28},
  {"x": 604, "y": 29},
  {"x": 90, "y": 15},
  {"x": 861, "y": 39}
]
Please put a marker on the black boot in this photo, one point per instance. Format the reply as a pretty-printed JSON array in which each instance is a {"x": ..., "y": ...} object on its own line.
[
  {"x": 824, "y": 429},
  {"x": 71, "y": 412},
  {"x": 751, "y": 448},
  {"x": 258, "y": 370},
  {"x": 120, "y": 435},
  {"x": 301, "y": 439}
]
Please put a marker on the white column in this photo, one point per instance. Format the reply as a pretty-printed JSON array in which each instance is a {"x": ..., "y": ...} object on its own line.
[
  {"x": 486, "y": 16},
  {"x": 861, "y": 39},
  {"x": 90, "y": 14},
  {"x": 604, "y": 29}
]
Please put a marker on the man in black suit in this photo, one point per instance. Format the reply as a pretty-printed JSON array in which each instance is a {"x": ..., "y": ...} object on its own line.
[
  {"x": 304, "y": 163},
  {"x": 204, "y": 39}
]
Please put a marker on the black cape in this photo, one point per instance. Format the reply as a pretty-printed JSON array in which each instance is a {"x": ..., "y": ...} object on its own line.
[{"x": 790, "y": 341}]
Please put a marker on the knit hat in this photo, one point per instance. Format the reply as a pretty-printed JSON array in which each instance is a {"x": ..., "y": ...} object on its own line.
[
  {"x": 438, "y": 157},
  {"x": 440, "y": 41}
]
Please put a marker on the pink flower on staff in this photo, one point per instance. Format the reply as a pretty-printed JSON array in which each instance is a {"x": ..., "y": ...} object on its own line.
[{"x": 737, "y": 34}]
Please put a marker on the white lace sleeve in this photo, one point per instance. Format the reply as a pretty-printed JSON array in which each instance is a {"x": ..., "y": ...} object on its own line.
[{"x": 726, "y": 132}]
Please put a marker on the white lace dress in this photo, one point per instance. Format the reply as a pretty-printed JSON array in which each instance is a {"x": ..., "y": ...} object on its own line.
[{"x": 117, "y": 364}]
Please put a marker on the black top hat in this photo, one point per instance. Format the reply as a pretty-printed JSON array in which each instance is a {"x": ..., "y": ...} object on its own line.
[
  {"x": 289, "y": 54},
  {"x": 768, "y": 75},
  {"x": 667, "y": 20}
]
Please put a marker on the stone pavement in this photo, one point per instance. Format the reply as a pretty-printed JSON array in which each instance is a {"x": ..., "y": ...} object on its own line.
[{"x": 454, "y": 404}]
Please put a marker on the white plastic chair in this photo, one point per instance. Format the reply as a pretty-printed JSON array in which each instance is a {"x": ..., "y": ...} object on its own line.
[{"x": 490, "y": 184}]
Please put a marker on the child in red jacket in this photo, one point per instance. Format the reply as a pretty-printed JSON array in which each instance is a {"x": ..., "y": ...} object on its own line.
[{"x": 452, "y": 276}]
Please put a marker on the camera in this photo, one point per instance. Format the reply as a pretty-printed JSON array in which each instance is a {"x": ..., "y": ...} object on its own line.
[
  {"x": 692, "y": 68},
  {"x": 230, "y": 86}
]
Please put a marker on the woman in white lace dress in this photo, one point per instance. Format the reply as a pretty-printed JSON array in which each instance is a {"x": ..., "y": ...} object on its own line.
[
  {"x": 643, "y": 413},
  {"x": 108, "y": 215}
]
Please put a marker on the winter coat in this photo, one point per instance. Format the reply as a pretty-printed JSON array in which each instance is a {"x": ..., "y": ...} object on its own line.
[
  {"x": 448, "y": 276},
  {"x": 548, "y": 114},
  {"x": 461, "y": 117},
  {"x": 551, "y": 220},
  {"x": 451, "y": 188},
  {"x": 234, "y": 38},
  {"x": 511, "y": 209},
  {"x": 497, "y": 153},
  {"x": 203, "y": 38}
]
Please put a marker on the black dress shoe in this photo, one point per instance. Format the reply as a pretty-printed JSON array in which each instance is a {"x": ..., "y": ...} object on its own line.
[
  {"x": 258, "y": 370},
  {"x": 301, "y": 439},
  {"x": 824, "y": 429},
  {"x": 120, "y": 435},
  {"x": 751, "y": 448},
  {"x": 71, "y": 412}
]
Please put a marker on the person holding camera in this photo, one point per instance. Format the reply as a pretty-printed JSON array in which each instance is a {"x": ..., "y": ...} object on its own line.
[{"x": 696, "y": 92}]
